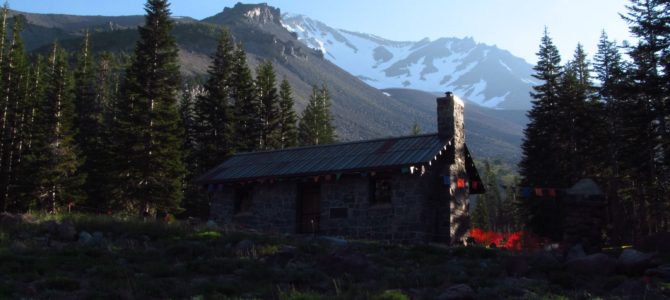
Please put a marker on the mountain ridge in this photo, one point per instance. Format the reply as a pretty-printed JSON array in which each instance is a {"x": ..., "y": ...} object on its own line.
[
  {"x": 360, "y": 110},
  {"x": 481, "y": 73}
]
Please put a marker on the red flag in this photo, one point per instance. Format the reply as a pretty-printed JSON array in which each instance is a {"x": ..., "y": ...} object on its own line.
[
  {"x": 552, "y": 192},
  {"x": 538, "y": 192},
  {"x": 460, "y": 183},
  {"x": 475, "y": 184}
]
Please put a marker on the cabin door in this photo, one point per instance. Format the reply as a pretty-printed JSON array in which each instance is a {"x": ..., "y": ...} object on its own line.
[{"x": 309, "y": 208}]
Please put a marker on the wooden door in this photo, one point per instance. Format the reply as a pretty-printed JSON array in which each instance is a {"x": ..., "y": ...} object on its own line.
[{"x": 309, "y": 208}]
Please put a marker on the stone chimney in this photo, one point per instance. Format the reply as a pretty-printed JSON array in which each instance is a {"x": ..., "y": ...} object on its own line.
[
  {"x": 450, "y": 130},
  {"x": 450, "y": 117}
]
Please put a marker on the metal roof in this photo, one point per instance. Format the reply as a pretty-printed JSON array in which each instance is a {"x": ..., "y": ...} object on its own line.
[{"x": 360, "y": 156}]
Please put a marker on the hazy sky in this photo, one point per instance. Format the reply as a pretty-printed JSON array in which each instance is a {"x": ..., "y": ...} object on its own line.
[{"x": 514, "y": 25}]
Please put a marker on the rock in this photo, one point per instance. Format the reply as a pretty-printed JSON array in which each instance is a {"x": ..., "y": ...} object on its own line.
[
  {"x": 459, "y": 291},
  {"x": 662, "y": 271},
  {"x": 212, "y": 224},
  {"x": 98, "y": 237},
  {"x": 18, "y": 246},
  {"x": 85, "y": 237},
  {"x": 66, "y": 231},
  {"x": 594, "y": 264},
  {"x": 8, "y": 219},
  {"x": 244, "y": 245},
  {"x": 545, "y": 260},
  {"x": 346, "y": 261},
  {"x": 632, "y": 261},
  {"x": 629, "y": 288},
  {"x": 333, "y": 241},
  {"x": 576, "y": 251},
  {"x": 516, "y": 265}
]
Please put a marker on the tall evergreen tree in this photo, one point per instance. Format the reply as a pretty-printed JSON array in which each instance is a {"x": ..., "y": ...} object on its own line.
[
  {"x": 480, "y": 216},
  {"x": 4, "y": 14},
  {"x": 649, "y": 22},
  {"x": 288, "y": 130},
  {"x": 537, "y": 164},
  {"x": 316, "y": 126},
  {"x": 247, "y": 107},
  {"x": 13, "y": 99},
  {"x": 539, "y": 161},
  {"x": 196, "y": 202},
  {"x": 266, "y": 90},
  {"x": 147, "y": 127},
  {"x": 213, "y": 111},
  {"x": 88, "y": 122},
  {"x": 52, "y": 160}
]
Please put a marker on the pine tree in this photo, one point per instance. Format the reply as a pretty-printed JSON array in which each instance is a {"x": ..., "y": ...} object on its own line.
[
  {"x": 266, "y": 90},
  {"x": 316, "y": 123},
  {"x": 580, "y": 124},
  {"x": 52, "y": 161},
  {"x": 149, "y": 138},
  {"x": 416, "y": 129},
  {"x": 13, "y": 99},
  {"x": 213, "y": 111},
  {"x": 88, "y": 122},
  {"x": 480, "y": 216},
  {"x": 649, "y": 23},
  {"x": 537, "y": 164},
  {"x": 540, "y": 162},
  {"x": 196, "y": 201},
  {"x": 288, "y": 131},
  {"x": 4, "y": 13},
  {"x": 247, "y": 107}
]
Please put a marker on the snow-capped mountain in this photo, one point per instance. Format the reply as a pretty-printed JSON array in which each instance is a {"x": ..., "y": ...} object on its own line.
[{"x": 483, "y": 74}]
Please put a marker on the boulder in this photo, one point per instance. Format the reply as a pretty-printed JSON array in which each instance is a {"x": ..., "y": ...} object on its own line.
[
  {"x": 66, "y": 231},
  {"x": 98, "y": 237},
  {"x": 457, "y": 292},
  {"x": 85, "y": 237},
  {"x": 8, "y": 219},
  {"x": 333, "y": 241},
  {"x": 662, "y": 271},
  {"x": 244, "y": 245},
  {"x": 576, "y": 251},
  {"x": 594, "y": 264},
  {"x": 632, "y": 261},
  {"x": 545, "y": 260}
]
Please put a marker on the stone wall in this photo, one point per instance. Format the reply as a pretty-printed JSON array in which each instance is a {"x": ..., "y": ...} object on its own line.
[
  {"x": 346, "y": 210},
  {"x": 407, "y": 218},
  {"x": 273, "y": 207}
]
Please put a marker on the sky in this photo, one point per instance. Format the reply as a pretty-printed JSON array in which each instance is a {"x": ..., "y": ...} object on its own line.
[{"x": 513, "y": 25}]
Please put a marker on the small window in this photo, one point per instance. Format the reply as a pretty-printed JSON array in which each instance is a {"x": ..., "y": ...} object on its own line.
[
  {"x": 242, "y": 200},
  {"x": 380, "y": 190}
]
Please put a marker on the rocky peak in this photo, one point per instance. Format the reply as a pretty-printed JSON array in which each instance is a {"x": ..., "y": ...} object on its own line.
[{"x": 255, "y": 13}]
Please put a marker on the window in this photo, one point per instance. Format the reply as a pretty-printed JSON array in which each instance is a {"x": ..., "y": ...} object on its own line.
[
  {"x": 242, "y": 200},
  {"x": 380, "y": 189}
]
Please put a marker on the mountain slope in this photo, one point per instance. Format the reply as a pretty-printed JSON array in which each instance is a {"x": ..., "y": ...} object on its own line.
[
  {"x": 489, "y": 133},
  {"x": 360, "y": 111},
  {"x": 483, "y": 74}
]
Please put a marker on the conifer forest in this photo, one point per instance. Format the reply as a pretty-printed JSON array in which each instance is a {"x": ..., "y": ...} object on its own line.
[{"x": 115, "y": 133}]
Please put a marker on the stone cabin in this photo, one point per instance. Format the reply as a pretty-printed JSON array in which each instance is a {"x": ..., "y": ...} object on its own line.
[{"x": 408, "y": 189}]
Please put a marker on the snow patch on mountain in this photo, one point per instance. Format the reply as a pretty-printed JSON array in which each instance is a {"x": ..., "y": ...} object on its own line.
[{"x": 480, "y": 73}]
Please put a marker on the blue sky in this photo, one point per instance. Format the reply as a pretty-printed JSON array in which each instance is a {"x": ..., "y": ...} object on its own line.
[{"x": 514, "y": 25}]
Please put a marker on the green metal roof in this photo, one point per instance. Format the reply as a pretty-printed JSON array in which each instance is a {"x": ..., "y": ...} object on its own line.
[{"x": 360, "y": 156}]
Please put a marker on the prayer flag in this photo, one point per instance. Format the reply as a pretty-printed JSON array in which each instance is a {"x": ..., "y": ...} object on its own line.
[
  {"x": 552, "y": 192},
  {"x": 538, "y": 192},
  {"x": 460, "y": 183}
]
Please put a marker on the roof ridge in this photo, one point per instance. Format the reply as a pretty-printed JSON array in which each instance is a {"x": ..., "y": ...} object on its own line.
[{"x": 334, "y": 144}]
